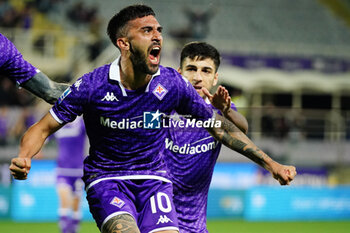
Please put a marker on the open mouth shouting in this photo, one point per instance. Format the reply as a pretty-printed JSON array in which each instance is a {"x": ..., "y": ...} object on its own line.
[
  {"x": 198, "y": 87},
  {"x": 154, "y": 55}
]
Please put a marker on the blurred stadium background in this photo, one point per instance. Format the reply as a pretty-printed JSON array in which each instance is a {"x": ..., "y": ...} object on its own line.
[{"x": 285, "y": 63}]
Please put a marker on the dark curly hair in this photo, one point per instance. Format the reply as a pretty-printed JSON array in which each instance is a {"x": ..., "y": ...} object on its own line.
[{"x": 116, "y": 26}]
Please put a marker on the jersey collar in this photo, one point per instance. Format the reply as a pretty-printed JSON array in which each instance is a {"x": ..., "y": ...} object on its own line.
[{"x": 114, "y": 75}]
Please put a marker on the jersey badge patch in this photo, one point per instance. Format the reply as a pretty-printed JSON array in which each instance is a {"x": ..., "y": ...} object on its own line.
[
  {"x": 160, "y": 91},
  {"x": 117, "y": 202}
]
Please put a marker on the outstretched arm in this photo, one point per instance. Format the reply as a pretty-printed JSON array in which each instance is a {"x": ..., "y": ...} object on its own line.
[
  {"x": 43, "y": 87},
  {"x": 231, "y": 136},
  {"x": 31, "y": 143},
  {"x": 222, "y": 101}
]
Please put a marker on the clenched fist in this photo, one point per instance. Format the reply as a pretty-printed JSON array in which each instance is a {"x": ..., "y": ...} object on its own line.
[
  {"x": 284, "y": 174},
  {"x": 20, "y": 168}
]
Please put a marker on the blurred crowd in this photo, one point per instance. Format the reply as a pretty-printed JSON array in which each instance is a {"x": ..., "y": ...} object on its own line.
[
  {"x": 17, "y": 111},
  {"x": 19, "y": 14},
  {"x": 55, "y": 14}
]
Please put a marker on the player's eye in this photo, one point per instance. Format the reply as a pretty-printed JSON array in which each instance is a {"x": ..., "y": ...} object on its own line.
[
  {"x": 207, "y": 71},
  {"x": 147, "y": 29}
]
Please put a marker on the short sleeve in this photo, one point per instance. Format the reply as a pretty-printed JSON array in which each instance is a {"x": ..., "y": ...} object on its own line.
[
  {"x": 12, "y": 63},
  {"x": 72, "y": 102}
]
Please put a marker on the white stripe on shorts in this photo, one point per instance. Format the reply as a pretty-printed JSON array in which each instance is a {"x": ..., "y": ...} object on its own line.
[{"x": 130, "y": 177}]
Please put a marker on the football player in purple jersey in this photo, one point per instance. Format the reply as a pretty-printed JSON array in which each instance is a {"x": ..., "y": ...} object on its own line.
[
  {"x": 127, "y": 185},
  {"x": 71, "y": 147},
  {"x": 13, "y": 66},
  {"x": 190, "y": 155}
]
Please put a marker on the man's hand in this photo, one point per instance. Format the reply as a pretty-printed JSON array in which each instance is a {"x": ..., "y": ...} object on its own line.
[
  {"x": 20, "y": 168},
  {"x": 220, "y": 100},
  {"x": 284, "y": 174}
]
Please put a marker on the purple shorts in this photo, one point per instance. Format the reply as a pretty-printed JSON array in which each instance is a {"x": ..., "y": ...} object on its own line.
[
  {"x": 75, "y": 183},
  {"x": 148, "y": 201}
]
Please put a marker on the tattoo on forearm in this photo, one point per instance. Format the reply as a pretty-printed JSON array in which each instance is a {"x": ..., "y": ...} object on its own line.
[
  {"x": 123, "y": 223},
  {"x": 254, "y": 154},
  {"x": 229, "y": 126},
  {"x": 41, "y": 86},
  {"x": 227, "y": 136}
]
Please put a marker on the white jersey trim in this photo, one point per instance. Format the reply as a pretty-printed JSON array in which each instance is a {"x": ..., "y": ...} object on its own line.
[
  {"x": 114, "y": 74},
  {"x": 130, "y": 177},
  {"x": 115, "y": 214},
  {"x": 53, "y": 114}
]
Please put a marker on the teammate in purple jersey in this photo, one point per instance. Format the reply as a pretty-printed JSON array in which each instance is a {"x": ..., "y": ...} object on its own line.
[
  {"x": 71, "y": 147},
  {"x": 13, "y": 66},
  {"x": 122, "y": 103},
  {"x": 190, "y": 155}
]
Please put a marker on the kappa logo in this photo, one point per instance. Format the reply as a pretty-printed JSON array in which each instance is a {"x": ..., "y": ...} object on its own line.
[
  {"x": 160, "y": 91},
  {"x": 117, "y": 202},
  {"x": 163, "y": 219},
  {"x": 110, "y": 97},
  {"x": 78, "y": 83}
]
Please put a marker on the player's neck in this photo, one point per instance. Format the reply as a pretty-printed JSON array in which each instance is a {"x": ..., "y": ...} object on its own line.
[{"x": 132, "y": 79}]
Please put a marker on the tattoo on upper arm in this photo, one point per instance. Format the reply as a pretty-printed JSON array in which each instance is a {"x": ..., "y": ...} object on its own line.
[{"x": 123, "y": 223}]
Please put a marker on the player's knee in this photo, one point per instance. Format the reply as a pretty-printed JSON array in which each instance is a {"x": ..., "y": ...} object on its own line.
[{"x": 120, "y": 223}]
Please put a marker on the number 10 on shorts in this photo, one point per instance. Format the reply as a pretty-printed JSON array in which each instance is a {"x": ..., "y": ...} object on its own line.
[{"x": 157, "y": 203}]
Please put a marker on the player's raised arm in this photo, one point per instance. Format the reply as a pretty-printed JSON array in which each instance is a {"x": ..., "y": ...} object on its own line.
[
  {"x": 31, "y": 143},
  {"x": 231, "y": 136},
  {"x": 43, "y": 87}
]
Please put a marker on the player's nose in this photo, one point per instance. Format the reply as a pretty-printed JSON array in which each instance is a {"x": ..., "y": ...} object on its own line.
[
  {"x": 157, "y": 36},
  {"x": 197, "y": 76}
]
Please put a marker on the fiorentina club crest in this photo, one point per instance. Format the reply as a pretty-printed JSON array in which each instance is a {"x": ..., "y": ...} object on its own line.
[
  {"x": 117, "y": 202},
  {"x": 160, "y": 91}
]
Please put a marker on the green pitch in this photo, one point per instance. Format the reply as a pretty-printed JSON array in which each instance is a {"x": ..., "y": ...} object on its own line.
[{"x": 219, "y": 226}]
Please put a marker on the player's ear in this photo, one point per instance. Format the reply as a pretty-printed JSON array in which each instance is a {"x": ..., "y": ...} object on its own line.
[
  {"x": 123, "y": 43},
  {"x": 216, "y": 78},
  {"x": 179, "y": 70}
]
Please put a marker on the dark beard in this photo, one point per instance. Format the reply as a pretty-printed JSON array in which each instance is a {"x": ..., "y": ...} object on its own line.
[{"x": 139, "y": 61}]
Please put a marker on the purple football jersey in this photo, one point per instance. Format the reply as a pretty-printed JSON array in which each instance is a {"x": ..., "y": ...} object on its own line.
[
  {"x": 124, "y": 126},
  {"x": 190, "y": 157},
  {"x": 71, "y": 147},
  {"x": 12, "y": 63}
]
